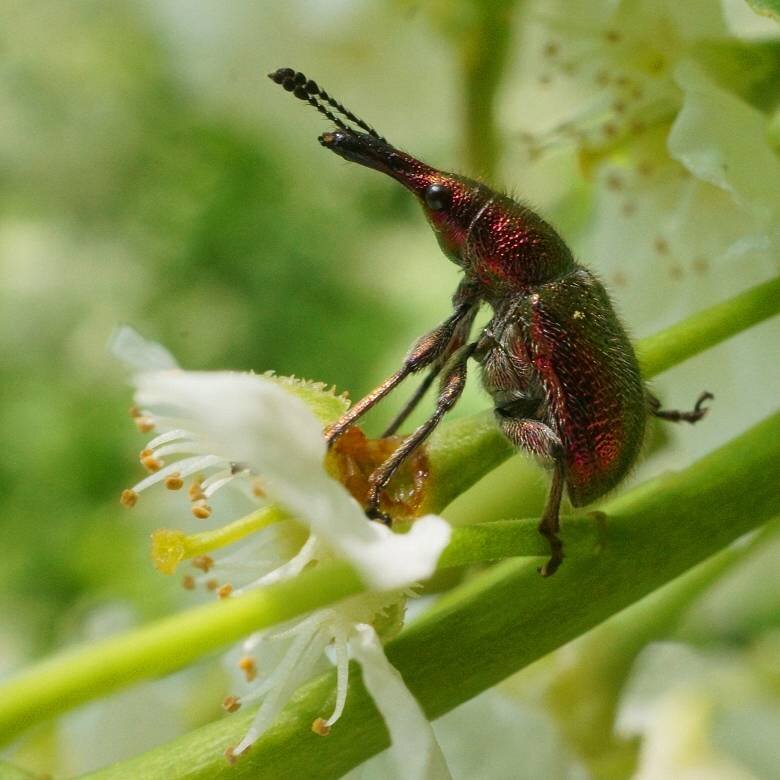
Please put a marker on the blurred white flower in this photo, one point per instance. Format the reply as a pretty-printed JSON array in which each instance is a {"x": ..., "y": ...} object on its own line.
[
  {"x": 678, "y": 699},
  {"x": 684, "y": 175},
  {"x": 252, "y": 433}
]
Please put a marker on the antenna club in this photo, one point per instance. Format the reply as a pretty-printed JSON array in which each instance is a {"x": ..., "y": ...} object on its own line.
[{"x": 308, "y": 90}]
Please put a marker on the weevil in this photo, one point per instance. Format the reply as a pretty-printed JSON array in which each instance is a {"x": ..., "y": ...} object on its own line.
[{"x": 562, "y": 373}]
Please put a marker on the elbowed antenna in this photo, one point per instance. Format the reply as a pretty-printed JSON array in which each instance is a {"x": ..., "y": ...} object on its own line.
[{"x": 306, "y": 89}]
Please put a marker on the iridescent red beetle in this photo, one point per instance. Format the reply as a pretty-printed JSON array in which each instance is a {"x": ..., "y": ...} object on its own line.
[{"x": 555, "y": 358}]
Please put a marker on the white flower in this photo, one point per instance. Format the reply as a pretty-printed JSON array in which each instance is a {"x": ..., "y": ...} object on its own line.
[
  {"x": 627, "y": 91},
  {"x": 690, "y": 708},
  {"x": 251, "y": 432}
]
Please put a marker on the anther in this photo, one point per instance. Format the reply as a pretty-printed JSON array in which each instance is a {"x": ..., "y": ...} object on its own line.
[
  {"x": 203, "y": 562},
  {"x": 188, "y": 582},
  {"x": 320, "y": 727},
  {"x": 174, "y": 481},
  {"x": 231, "y": 703},
  {"x": 152, "y": 464},
  {"x": 195, "y": 491},
  {"x": 248, "y": 666},
  {"x": 129, "y": 498},
  {"x": 223, "y": 591},
  {"x": 201, "y": 510},
  {"x": 257, "y": 489},
  {"x": 144, "y": 424},
  {"x": 134, "y": 411},
  {"x": 230, "y": 755},
  {"x": 212, "y": 584}
]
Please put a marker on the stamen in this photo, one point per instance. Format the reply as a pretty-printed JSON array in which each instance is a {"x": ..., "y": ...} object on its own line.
[
  {"x": 174, "y": 481},
  {"x": 342, "y": 674},
  {"x": 201, "y": 510},
  {"x": 183, "y": 467},
  {"x": 231, "y": 703},
  {"x": 217, "y": 481},
  {"x": 152, "y": 464},
  {"x": 203, "y": 562},
  {"x": 169, "y": 436},
  {"x": 223, "y": 591},
  {"x": 195, "y": 491},
  {"x": 144, "y": 424},
  {"x": 129, "y": 498},
  {"x": 320, "y": 727},
  {"x": 248, "y": 666}
]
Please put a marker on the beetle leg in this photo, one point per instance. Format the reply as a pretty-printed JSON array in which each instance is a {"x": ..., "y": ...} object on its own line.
[
  {"x": 424, "y": 352},
  {"x": 538, "y": 438},
  {"x": 411, "y": 404},
  {"x": 459, "y": 337},
  {"x": 674, "y": 415},
  {"x": 452, "y": 385},
  {"x": 550, "y": 524}
]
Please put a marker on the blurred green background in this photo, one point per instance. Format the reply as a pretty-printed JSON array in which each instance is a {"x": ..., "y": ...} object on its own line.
[{"x": 150, "y": 174}]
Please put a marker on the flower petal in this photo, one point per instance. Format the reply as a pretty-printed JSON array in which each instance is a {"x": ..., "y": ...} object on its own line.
[
  {"x": 723, "y": 140},
  {"x": 418, "y": 755},
  {"x": 133, "y": 349}
]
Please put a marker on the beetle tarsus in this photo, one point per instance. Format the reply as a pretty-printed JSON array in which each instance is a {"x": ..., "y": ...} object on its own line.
[
  {"x": 376, "y": 514},
  {"x": 550, "y": 525},
  {"x": 675, "y": 415}
]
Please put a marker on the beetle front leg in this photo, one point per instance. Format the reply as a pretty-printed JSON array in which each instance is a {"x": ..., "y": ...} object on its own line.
[
  {"x": 459, "y": 337},
  {"x": 450, "y": 391},
  {"x": 424, "y": 352}
]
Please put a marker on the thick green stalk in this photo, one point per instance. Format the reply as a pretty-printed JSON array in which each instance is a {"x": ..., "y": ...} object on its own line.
[{"x": 490, "y": 627}]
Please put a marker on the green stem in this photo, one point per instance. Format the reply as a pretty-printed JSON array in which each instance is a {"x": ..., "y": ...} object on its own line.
[
  {"x": 503, "y": 620},
  {"x": 92, "y": 670},
  {"x": 462, "y": 453},
  {"x": 709, "y": 327}
]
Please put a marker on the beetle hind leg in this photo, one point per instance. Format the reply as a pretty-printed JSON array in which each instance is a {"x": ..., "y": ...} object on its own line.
[
  {"x": 674, "y": 415},
  {"x": 550, "y": 524},
  {"x": 538, "y": 438}
]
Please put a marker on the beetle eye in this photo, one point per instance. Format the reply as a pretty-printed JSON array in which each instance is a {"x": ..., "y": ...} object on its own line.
[{"x": 437, "y": 197}]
